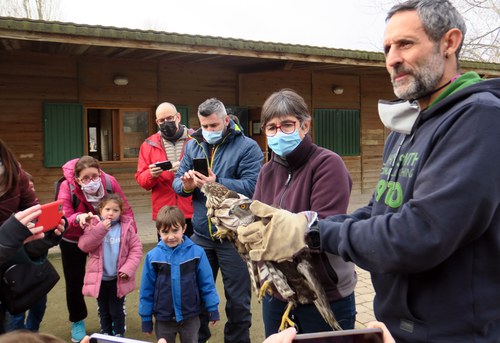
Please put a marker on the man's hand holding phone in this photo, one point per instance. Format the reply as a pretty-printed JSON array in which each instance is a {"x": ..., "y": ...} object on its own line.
[
  {"x": 198, "y": 176},
  {"x": 193, "y": 179},
  {"x": 154, "y": 170},
  {"x": 159, "y": 167}
]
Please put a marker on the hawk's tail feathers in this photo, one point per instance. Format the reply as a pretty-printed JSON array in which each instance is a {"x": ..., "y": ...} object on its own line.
[
  {"x": 252, "y": 272},
  {"x": 321, "y": 302}
]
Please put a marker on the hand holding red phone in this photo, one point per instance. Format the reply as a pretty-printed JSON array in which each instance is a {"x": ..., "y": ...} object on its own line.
[
  {"x": 26, "y": 218},
  {"x": 60, "y": 228}
]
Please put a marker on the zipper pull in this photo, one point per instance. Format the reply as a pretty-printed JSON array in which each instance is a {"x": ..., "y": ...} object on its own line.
[{"x": 288, "y": 179}]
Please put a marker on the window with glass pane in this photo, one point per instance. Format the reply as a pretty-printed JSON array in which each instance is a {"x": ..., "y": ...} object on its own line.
[
  {"x": 135, "y": 126},
  {"x": 114, "y": 134}
]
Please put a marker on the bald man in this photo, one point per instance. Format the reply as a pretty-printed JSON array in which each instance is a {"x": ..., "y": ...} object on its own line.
[{"x": 165, "y": 145}]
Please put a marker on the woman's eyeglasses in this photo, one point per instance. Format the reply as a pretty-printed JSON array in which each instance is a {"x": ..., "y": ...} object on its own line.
[
  {"x": 86, "y": 179},
  {"x": 287, "y": 127}
]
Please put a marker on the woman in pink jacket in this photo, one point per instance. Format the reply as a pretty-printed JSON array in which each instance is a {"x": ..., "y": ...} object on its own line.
[
  {"x": 115, "y": 252},
  {"x": 85, "y": 185}
]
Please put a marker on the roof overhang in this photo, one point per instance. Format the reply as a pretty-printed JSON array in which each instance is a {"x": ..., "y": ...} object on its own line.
[{"x": 246, "y": 55}]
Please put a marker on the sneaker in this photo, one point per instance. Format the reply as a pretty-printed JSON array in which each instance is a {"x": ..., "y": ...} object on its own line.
[{"x": 77, "y": 331}]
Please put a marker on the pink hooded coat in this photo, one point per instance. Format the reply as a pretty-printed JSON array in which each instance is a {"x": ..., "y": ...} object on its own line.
[{"x": 128, "y": 260}]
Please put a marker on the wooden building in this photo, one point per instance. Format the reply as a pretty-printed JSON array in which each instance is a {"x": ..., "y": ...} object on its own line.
[{"x": 68, "y": 90}]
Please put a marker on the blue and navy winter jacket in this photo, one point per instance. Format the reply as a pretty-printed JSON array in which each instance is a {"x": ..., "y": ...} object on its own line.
[
  {"x": 176, "y": 282},
  {"x": 236, "y": 161}
]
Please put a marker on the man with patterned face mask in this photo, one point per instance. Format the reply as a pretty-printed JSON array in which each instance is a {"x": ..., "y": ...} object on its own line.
[
  {"x": 165, "y": 145},
  {"x": 234, "y": 161}
]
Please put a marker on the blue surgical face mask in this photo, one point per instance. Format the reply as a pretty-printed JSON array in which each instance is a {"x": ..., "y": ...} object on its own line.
[
  {"x": 212, "y": 137},
  {"x": 282, "y": 144}
]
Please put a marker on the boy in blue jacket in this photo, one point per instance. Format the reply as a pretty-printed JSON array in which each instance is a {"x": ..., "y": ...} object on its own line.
[{"x": 176, "y": 280}]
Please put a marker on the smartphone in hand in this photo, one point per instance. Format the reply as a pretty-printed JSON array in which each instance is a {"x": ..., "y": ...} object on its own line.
[
  {"x": 51, "y": 215},
  {"x": 200, "y": 165},
  {"x": 165, "y": 165},
  {"x": 346, "y": 336},
  {"x": 100, "y": 338}
]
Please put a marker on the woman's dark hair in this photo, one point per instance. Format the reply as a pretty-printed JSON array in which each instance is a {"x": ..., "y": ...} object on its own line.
[
  {"x": 283, "y": 103},
  {"x": 86, "y": 162},
  {"x": 10, "y": 177}
]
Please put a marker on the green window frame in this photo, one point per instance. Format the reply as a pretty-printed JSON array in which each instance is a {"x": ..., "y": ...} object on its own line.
[
  {"x": 184, "y": 111},
  {"x": 338, "y": 130},
  {"x": 63, "y": 133}
]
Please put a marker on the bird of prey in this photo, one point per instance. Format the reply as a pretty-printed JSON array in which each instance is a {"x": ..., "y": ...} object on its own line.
[{"x": 293, "y": 281}]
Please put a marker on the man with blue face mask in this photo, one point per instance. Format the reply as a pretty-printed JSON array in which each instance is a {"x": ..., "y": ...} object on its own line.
[{"x": 234, "y": 161}]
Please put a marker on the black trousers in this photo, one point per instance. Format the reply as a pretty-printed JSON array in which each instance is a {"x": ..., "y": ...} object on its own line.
[
  {"x": 2, "y": 319},
  {"x": 73, "y": 262},
  {"x": 111, "y": 309},
  {"x": 223, "y": 256}
]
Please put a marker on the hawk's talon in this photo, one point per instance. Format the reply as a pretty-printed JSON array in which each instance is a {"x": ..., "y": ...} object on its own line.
[
  {"x": 286, "y": 322},
  {"x": 221, "y": 234},
  {"x": 265, "y": 288}
]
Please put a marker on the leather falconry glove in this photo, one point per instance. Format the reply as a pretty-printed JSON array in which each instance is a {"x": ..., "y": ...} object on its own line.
[{"x": 277, "y": 236}]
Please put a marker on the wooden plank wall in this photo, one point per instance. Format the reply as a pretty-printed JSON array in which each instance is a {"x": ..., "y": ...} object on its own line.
[
  {"x": 255, "y": 88},
  {"x": 373, "y": 133},
  {"x": 191, "y": 84},
  {"x": 360, "y": 92},
  {"x": 27, "y": 80},
  {"x": 323, "y": 84}
]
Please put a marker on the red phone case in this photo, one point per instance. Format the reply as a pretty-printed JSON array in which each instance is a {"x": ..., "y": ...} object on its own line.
[{"x": 51, "y": 215}]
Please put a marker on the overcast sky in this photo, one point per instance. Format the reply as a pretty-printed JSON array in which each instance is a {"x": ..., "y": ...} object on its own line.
[{"x": 352, "y": 24}]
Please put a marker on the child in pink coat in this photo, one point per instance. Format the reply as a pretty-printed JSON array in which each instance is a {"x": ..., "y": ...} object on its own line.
[{"x": 115, "y": 252}]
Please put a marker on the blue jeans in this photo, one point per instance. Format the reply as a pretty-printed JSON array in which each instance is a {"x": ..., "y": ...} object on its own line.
[
  {"x": 35, "y": 316},
  {"x": 307, "y": 317},
  {"x": 223, "y": 256}
]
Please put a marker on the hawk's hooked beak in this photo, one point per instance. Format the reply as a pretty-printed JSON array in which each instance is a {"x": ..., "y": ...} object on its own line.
[{"x": 230, "y": 212}]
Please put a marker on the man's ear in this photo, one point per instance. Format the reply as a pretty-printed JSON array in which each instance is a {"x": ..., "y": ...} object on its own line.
[{"x": 451, "y": 41}]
